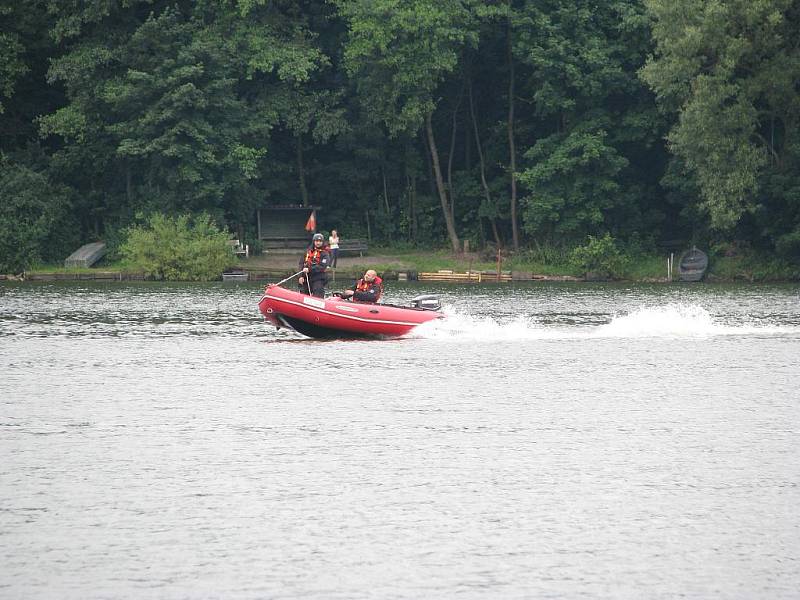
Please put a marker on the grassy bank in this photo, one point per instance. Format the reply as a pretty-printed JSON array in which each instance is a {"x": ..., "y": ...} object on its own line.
[
  {"x": 388, "y": 259},
  {"x": 643, "y": 267},
  {"x": 753, "y": 267},
  {"x": 750, "y": 267},
  {"x": 555, "y": 265},
  {"x": 47, "y": 269}
]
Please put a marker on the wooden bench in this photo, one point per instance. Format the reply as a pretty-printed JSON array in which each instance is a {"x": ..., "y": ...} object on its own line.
[{"x": 353, "y": 247}]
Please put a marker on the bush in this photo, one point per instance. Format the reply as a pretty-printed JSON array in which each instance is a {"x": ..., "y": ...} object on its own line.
[
  {"x": 600, "y": 256},
  {"x": 754, "y": 266},
  {"x": 178, "y": 248},
  {"x": 788, "y": 245}
]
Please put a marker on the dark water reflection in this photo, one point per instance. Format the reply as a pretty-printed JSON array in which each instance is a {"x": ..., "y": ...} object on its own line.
[{"x": 545, "y": 441}]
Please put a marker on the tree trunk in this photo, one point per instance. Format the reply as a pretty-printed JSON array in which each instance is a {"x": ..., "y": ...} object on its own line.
[
  {"x": 95, "y": 224},
  {"x": 431, "y": 176},
  {"x": 450, "y": 156},
  {"x": 414, "y": 219},
  {"x": 411, "y": 188},
  {"x": 772, "y": 133},
  {"x": 467, "y": 148},
  {"x": 128, "y": 183},
  {"x": 511, "y": 147},
  {"x": 482, "y": 163},
  {"x": 385, "y": 191},
  {"x": 451, "y": 230},
  {"x": 301, "y": 173},
  {"x": 496, "y": 233},
  {"x": 410, "y": 207}
]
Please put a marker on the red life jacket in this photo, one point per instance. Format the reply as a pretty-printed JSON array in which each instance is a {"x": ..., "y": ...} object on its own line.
[
  {"x": 313, "y": 256},
  {"x": 362, "y": 285}
]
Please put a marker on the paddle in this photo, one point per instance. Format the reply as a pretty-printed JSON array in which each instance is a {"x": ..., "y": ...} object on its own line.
[{"x": 290, "y": 277}]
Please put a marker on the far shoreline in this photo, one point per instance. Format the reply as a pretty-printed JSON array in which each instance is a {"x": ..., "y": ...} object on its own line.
[{"x": 441, "y": 266}]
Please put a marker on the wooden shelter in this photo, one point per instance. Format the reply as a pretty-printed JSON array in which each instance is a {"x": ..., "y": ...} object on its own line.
[{"x": 286, "y": 226}]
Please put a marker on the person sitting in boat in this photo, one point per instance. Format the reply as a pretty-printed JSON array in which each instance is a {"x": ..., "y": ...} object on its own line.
[
  {"x": 314, "y": 266},
  {"x": 367, "y": 289}
]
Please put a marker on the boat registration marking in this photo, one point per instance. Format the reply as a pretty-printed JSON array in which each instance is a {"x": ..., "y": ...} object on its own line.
[
  {"x": 347, "y": 308},
  {"x": 314, "y": 302}
]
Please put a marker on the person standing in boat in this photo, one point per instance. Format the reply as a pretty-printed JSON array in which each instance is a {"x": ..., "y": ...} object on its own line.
[
  {"x": 367, "y": 289},
  {"x": 333, "y": 244},
  {"x": 314, "y": 266}
]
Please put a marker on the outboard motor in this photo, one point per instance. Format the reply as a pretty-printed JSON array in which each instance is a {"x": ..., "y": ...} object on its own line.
[{"x": 426, "y": 302}]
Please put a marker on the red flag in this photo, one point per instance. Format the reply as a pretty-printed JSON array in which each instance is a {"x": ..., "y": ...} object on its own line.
[{"x": 311, "y": 224}]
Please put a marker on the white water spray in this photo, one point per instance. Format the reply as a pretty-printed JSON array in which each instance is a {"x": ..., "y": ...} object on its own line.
[
  {"x": 673, "y": 320},
  {"x": 669, "y": 321}
]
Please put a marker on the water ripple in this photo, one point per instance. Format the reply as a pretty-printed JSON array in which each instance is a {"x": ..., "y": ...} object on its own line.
[{"x": 556, "y": 441}]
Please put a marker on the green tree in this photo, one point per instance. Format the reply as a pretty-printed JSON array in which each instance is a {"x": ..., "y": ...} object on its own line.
[
  {"x": 12, "y": 66},
  {"x": 575, "y": 179},
  {"x": 415, "y": 121},
  {"x": 729, "y": 71},
  {"x": 593, "y": 134},
  {"x": 399, "y": 54},
  {"x": 35, "y": 218},
  {"x": 173, "y": 105},
  {"x": 25, "y": 51}
]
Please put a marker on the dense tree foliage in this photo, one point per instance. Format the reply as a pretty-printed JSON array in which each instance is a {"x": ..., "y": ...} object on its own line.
[
  {"x": 508, "y": 122},
  {"x": 729, "y": 73},
  {"x": 35, "y": 217}
]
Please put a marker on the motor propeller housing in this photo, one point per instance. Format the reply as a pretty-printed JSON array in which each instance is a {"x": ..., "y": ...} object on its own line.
[{"x": 426, "y": 302}]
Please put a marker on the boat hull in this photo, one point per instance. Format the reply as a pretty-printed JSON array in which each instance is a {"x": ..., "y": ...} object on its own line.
[
  {"x": 692, "y": 265},
  {"x": 334, "y": 318}
]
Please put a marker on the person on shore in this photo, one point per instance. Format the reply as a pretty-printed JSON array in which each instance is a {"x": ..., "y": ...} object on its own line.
[
  {"x": 314, "y": 266},
  {"x": 367, "y": 289},
  {"x": 333, "y": 244}
]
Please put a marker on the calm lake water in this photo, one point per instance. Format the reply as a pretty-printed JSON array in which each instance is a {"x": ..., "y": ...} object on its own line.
[{"x": 544, "y": 441}]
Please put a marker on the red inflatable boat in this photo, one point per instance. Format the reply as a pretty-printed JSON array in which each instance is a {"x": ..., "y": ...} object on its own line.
[{"x": 337, "y": 318}]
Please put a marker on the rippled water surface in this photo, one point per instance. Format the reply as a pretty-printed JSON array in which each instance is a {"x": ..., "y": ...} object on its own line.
[{"x": 542, "y": 441}]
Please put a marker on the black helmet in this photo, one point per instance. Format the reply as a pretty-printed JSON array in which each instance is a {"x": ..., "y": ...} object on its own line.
[{"x": 318, "y": 236}]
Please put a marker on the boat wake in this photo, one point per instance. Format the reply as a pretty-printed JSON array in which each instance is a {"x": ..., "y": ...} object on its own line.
[
  {"x": 669, "y": 321},
  {"x": 680, "y": 320}
]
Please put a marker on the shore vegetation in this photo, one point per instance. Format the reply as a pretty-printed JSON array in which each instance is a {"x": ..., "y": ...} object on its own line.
[
  {"x": 580, "y": 137},
  {"x": 176, "y": 248}
]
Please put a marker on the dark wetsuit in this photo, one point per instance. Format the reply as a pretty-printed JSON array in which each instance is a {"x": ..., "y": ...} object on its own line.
[{"x": 367, "y": 291}]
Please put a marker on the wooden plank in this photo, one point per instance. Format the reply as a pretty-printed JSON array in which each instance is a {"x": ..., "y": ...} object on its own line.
[{"x": 476, "y": 276}]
